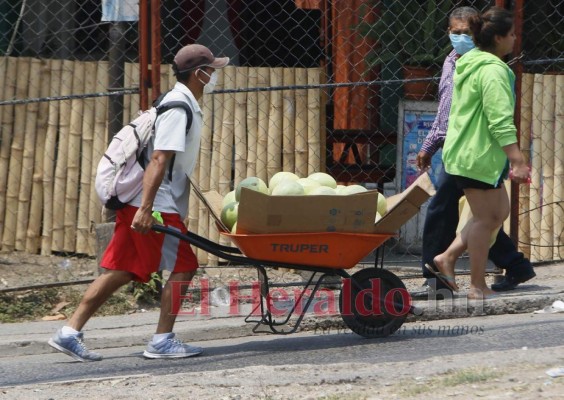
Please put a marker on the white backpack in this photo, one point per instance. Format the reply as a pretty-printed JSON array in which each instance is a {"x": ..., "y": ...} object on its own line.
[{"x": 119, "y": 176}]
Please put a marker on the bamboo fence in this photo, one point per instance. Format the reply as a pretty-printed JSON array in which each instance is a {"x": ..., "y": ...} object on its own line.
[
  {"x": 547, "y": 157},
  {"x": 49, "y": 159},
  {"x": 535, "y": 213},
  {"x": 559, "y": 169},
  {"x": 50, "y": 150},
  {"x": 28, "y": 154},
  {"x": 7, "y": 73},
  {"x": 60, "y": 183},
  {"x": 314, "y": 141},
  {"x": 88, "y": 121},
  {"x": 525, "y": 145},
  {"x": 99, "y": 145},
  {"x": 541, "y": 223},
  {"x": 204, "y": 168},
  {"x": 218, "y": 109},
  {"x": 263, "y": 80},
  {"x": 33, "y": 242},
  {"x": 14, "y": 183},
  {"x": 240, "y": 127},
  {"x": 274, "y": 143},
  {"x": 252, "y": 123}
]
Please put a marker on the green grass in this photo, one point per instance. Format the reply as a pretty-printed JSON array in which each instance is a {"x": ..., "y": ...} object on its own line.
[
  {"x": 469, "y": 376},
  {"x": 448, "y": 380},
  {"x": 35, "y": 304},
  {"x": 15, "y": 307}
]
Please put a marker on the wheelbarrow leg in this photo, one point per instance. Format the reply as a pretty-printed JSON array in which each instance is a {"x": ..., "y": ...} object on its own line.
[{"x": 266, "y": 316}]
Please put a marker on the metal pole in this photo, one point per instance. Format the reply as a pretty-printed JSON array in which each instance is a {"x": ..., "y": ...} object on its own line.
[
  {"x": 116, "y": 61},
  {"x": 519, "y": 16},
  {"x": 144, "y": 78},
  {"x": 155, "y": 48}
]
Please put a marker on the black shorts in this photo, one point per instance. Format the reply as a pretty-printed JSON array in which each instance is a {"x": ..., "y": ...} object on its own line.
[{"x": 463, "y": 182}]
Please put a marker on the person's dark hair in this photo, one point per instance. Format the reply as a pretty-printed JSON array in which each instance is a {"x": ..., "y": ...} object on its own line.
[
  {"x": 181, "y": 76},
  {"x": 495, "y": 21},
  {"x": 463, "y": 13}
]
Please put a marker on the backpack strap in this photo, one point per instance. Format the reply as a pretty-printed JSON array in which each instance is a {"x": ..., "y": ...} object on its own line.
[{"x": 162, "y": 108}]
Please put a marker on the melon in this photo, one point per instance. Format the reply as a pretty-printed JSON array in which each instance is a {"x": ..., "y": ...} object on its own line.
[
  {"x": 288, "y": 188},
  {"x": 234, "y": 228},
  {"x": 378, "y": 217},
  {"x": 279, "y": 177},
  {"x": 323, "y": 191},
  {"x": 308, "y": 184},
  {"x": 253, "y": 183},
  {"x": 229, "y": 198},
  {"x": 339, "y": 188},
  {"x": 382, "y": 206},
  {"x": 229, "y": 214},
  {"x": 352, "y": 189},
  {"x": 324, "y": 179}
]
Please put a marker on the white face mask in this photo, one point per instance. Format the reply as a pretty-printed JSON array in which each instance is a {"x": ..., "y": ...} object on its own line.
[{"x": 210, "y": 86}]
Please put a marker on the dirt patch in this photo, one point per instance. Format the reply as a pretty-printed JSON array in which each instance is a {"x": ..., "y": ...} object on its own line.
[
  {"x": 22, "y": 269},
  {"x": 39, "y": 300}
]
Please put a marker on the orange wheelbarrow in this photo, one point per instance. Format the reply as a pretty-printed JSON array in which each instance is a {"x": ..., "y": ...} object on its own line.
[{"x": 373, "y": 302}]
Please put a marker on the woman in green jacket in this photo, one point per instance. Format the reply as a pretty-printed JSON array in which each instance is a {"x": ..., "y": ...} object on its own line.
[{"x": 481, "y": 144}]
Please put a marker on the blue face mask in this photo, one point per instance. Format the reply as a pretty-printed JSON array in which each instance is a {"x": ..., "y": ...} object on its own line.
[{"x": 461, "y": 43}]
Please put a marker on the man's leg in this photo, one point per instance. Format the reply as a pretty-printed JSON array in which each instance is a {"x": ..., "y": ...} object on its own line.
[
  {"x": 518, "y": 269},
  {"x": 439, "y": 229},
  {"x": 171, "y": 299},
  {"x": 68, "y": 339},
  {"x": 97, "y": 293},
  {"x": 163, "y": 344}
]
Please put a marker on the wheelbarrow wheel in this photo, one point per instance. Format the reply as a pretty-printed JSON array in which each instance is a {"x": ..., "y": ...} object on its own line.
[{"x": 374, "y": 303}]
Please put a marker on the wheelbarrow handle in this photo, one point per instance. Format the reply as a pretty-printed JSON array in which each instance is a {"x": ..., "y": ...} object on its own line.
[{"x": 196, "y": 240}]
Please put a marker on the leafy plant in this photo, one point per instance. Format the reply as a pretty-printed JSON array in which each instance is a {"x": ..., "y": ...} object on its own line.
[
  {"x": 31, "y": 304},
  {"x": 411, "y": 31},
  {"x": 148, "y": 292}
]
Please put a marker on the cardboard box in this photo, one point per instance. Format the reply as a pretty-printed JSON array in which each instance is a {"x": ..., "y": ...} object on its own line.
[
  {"x": 260, "y": 213},
  {"x": 405, "y": 205}
]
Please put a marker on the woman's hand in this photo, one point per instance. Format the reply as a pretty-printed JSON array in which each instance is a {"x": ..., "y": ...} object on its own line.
[{"x": 520, "y": 173}]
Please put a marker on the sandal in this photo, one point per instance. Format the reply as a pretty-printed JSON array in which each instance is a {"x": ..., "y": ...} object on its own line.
[
  {"x": 447, "y": 280},
  {"x": 490, "y": 296}
]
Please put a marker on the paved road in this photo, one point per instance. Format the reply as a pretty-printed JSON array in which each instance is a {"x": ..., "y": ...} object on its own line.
[{"x": 414, "y": 342}]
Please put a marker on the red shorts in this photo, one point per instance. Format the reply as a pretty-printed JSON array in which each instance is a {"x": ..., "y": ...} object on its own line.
[{"x": 143, "y": 254}]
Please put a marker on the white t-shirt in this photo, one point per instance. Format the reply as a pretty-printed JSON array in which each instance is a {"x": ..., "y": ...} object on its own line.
[{"x": 170, "y": 134}]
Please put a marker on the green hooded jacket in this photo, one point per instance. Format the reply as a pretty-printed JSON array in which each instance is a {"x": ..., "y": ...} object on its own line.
[{"x": 481, "y": 118}]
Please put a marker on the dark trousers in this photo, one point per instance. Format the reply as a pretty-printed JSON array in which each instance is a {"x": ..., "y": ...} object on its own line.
[{"x": 440, "y": 225}]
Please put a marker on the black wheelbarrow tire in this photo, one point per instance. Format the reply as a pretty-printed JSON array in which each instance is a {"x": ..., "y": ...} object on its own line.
[{"x": 381, "y": 323}]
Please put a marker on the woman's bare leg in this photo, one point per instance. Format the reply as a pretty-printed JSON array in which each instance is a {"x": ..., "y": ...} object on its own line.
[
  {"x": 489, "y": 209},
  {"x": 445, "y": 262}
]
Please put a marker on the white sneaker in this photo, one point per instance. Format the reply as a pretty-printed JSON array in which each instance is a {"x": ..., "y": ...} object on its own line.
[
  {"x": 73, "y": 346},
  {"x": 171, "y": 348}
]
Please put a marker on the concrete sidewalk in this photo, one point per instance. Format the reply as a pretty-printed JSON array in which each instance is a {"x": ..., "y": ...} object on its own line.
[{"x": 136, "y": 329}]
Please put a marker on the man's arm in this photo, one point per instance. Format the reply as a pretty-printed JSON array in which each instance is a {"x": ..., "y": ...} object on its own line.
[
  {"x": 436, "y": 136},
  {"x": 152, "y": 179}
]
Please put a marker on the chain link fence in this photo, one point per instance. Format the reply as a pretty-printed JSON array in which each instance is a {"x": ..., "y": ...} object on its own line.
[
  {"x": 540, "y": 115},
  {"x": 345, "y": 87}
]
